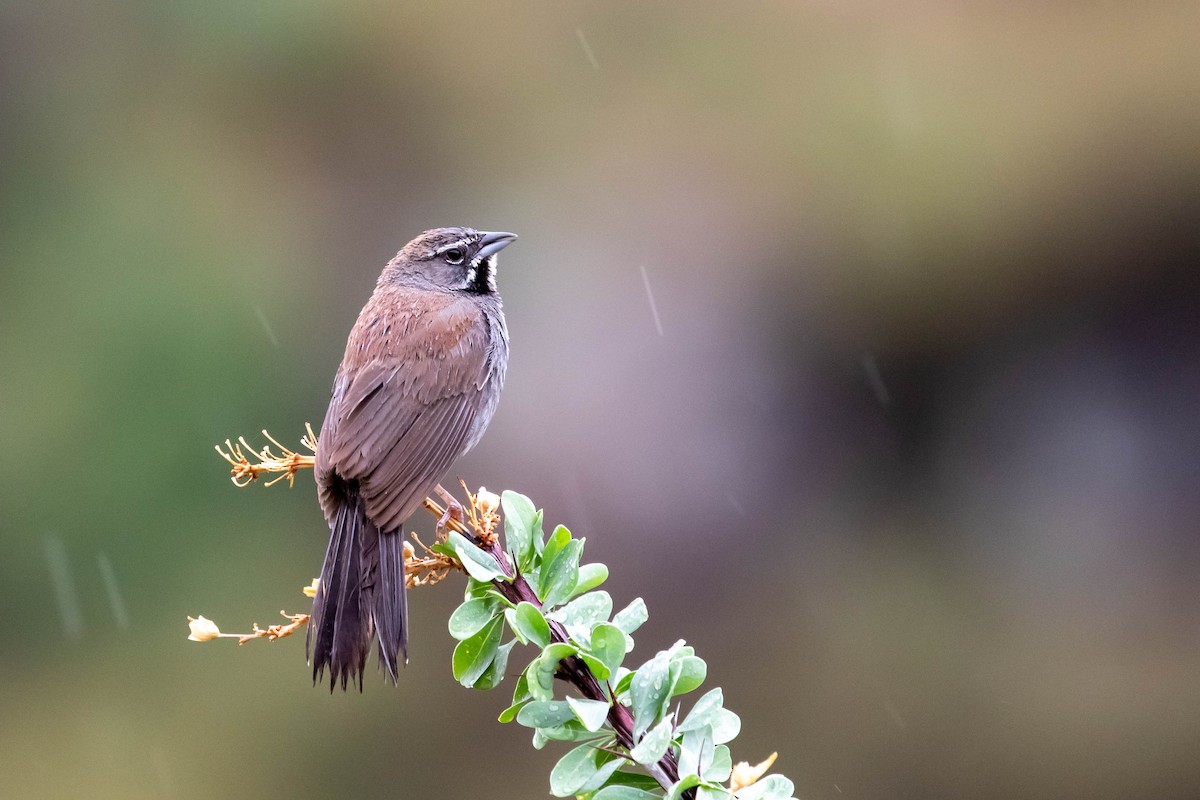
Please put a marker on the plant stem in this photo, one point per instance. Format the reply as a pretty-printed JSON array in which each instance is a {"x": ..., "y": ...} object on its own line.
[{"x": 574, "y": 671}]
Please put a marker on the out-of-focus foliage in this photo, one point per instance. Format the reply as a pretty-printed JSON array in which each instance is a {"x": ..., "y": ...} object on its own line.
[{"x": 912, "y": 405}]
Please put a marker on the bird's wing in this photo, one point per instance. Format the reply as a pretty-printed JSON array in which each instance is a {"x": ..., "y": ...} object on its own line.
[{"x": 403, "y": 405}]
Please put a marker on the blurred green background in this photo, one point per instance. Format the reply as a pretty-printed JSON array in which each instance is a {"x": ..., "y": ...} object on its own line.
[{"x": 905, "y": 442}]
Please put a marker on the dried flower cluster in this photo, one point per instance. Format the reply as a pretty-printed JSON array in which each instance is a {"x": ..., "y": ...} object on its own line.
[
  {"x": 424, "y": 569},
  {"x": 288, "y": 462}
]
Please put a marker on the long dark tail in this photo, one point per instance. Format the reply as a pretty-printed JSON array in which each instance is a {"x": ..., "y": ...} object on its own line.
[
  {"x": 361, "y": 595},
  {"x": 391, "y": 603}
]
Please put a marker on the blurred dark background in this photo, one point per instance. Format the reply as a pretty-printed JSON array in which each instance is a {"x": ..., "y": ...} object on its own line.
[{"x": 861, "y": 339}]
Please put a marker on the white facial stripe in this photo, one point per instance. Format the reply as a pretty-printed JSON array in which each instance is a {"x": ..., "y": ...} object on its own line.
[
  {"x": 473, "y": 272},
  {"x": 448, "y": 247}
]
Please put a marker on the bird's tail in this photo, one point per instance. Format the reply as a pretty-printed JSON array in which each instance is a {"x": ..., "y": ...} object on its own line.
[
  {"x": 360, "y": 596},
  {"x": 391, "y": 603}
]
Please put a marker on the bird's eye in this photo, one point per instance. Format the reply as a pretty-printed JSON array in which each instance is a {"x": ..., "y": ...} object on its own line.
[{"x": 455, "y": 255}]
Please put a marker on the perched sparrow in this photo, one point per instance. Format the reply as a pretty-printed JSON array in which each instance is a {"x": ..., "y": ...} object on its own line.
[{"x": 415, "y": 390}]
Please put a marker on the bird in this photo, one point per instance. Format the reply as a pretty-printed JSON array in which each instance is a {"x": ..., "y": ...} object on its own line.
[{"x": 417, "y": 386}]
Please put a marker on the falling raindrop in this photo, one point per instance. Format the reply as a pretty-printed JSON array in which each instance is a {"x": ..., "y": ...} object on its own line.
[
  {"x": 262, "y": 318},
  {"x": 650, "y": 296},
  {"x": 64, "y": 587},
  {"x": 120, "y": 614},
  {"x": 876, "y": 380},
  {"x": 587, "y": 49},
  {"x": 894, "y": 713}
]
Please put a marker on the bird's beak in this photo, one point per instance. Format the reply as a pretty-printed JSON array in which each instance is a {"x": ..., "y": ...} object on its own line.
[{"x": 494, "y": 242}]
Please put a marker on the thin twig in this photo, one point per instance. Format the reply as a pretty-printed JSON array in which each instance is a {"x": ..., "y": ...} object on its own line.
[{"x": 273, "y": 632}]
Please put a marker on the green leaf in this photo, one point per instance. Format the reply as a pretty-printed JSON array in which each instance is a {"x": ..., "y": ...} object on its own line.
[
  {"x": 726, "y": 725},
  {"x": 579, "y": 767},
  {"x": 539, "y": 536},
  {"x": 478, "y": 564},
  {"x": 473, "y": 655},
  {"x": 521, "y": 690},
  {"x": 624, "y": 679},
  {"x": 471, "y": 616},
  {"x": 528, "y": 623},
  {"x": 556, "y": 652},
  {"x": 625, "y": 793},
  {"x": 710, "y": 791},
  {"x": 606, "y": 769},
  {"x": 704, "y": 711},
  {"x": 635, "y": 780},
  {"x": 545, "y": 714},
  {"x": 654, "y": 744},
  {"x": 691, "y": 672},
  {"x": 596, "y": 666},
  {"x": 695, "y": 750},
  {"x": 573, "y": 770},
  {"x": 510, "y": 713},
  {"x": 571, "y": 731},
  {"x": 559, "y": 575},
  {"x": 591, "y": 713},
  {"x": 443, "y": 548},
  {"x": 680, "y": 650},
  {"x": 541, "y": 670},
  {"x": 608, "y": 645},
  {"x": 494, "y": 674},
  {"x": 519, "y": 527},
  {"x": 772, "y": 787},
  {"x": 630, "y": 618},
  {"x": 721, "y": 766},
  {"x": 682, "y": 785},
  {"x": 554, "y": 545},
  {"x": 541, "y": 685},
  {"x": 475, "y": 588},
  {"x": 650, "y": 692},
  {"x": 521, "y": 696},
  {"x": 579, "y": 615},
  {"x": 590, "y": 576},
  {"x": 510, "y": 616}
]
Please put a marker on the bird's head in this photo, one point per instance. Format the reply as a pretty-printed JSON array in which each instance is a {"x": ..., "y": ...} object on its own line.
[{"x": 449, "y": 259}]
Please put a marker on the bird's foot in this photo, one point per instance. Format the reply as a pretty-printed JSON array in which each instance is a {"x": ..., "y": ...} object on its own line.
[{"x": 452, "y": 513}]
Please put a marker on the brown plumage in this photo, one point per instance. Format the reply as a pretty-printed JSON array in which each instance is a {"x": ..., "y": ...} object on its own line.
[{"x": 417, "y": 386}]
